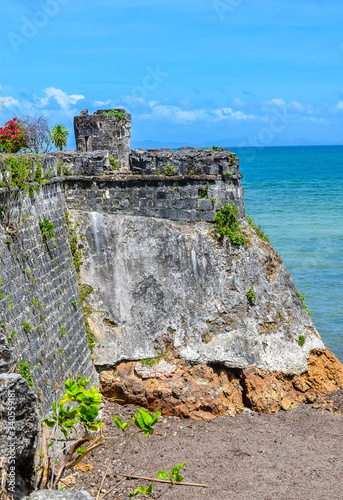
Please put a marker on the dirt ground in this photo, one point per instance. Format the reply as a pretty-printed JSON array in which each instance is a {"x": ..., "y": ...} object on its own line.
[{"x": 294, "y": 455}]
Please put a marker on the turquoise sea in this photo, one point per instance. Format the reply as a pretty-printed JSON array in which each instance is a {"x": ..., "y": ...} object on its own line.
[{"x": 296, "y": 195}]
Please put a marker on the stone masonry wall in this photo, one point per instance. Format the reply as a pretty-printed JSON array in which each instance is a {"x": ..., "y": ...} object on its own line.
[
  {"x": 185, "y": 161},
  {"x": 39, "y": 302},
  {"x": 185, "y": 199}
]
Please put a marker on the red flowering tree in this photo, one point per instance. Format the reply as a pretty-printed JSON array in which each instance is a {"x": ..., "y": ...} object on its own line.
[{"x": 12, "y": 137}]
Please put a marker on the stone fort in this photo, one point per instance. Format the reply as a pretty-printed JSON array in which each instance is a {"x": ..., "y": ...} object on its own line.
[{"x": 135, "y": 260}]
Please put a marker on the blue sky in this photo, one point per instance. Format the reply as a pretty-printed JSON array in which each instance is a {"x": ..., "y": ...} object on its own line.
[{"x": 225, "y": 72}]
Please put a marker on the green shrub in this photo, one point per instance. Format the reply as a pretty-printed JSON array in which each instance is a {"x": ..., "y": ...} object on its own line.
[
  {"x": 46, "y": 229},
  {"x": 227, "y": 224},
  {"x": 114, "y": 112},
  {"x": 251, "y": 297},
  {"x": 113, "y": 163},
  {"x": 227, "y": 175},
  {"x": 203, "y": 194},
  {"x": 169, "y": 170},
  {"x": 301, "y": 340},
  {"x": 24, "y": 369}
]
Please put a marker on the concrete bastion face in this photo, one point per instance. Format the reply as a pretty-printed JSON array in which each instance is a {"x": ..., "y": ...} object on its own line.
[{"x": 152, "y": 278}]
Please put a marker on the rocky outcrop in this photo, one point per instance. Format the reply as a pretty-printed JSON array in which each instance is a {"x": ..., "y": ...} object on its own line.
[
  {"x": 201, "y": 392},
  {"x": 198, "y": 392},
  {"x": 268, "y": 392}
]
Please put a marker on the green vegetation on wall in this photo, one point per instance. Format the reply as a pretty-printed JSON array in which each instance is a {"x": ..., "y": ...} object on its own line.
[{"x": 227, "y": 224}]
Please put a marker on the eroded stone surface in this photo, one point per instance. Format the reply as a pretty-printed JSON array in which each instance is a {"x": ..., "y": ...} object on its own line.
[
  {"x": 199, "y": 392},
  {"x": 149, "y": 276},
  {"x": 269, "y": 392},
  {"x": 202, "y": 392}
]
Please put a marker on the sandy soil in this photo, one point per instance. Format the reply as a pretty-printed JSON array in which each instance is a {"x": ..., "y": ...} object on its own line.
[{"x": 294, "y": 455}]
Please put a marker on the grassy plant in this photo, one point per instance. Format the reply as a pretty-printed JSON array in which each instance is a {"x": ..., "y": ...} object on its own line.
[
  {"x": 251, "y": 297},
  {"x": 113, "y": 163},
  {"x": 213, "y": 200},
  {"x": 11, "y": 336},
  {"x": 227, "y": 175},
  {"x": 46, "y": 228},
  {"x": 257, "y": 229},
  {"x": 27, "y": 326},
  {"x": 203, "y": 194},
  {"x": 67, "y": 170},
  {"x": 227, "y": 224},
  {"x": 301, "y": 340},
  {"x": 169, "y": 170},
  {"x": 302, "y": 298},
  {"x": 114, "y": 112},
  {"x": 74, "y": 239},
  {"x": 59, "y": 167},
  {"x": 25, "y": 371},
  {"x": 86, "y": 290}
]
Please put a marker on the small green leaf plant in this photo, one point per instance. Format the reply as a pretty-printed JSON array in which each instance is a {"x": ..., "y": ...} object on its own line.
[
  {"x": 144, "y": 420},
  {"x": 85, "y": 411},
  {"x": 144, "y": 491},
  {"x": 174, "y": 476},
  {"x": 251, "y": 297}
]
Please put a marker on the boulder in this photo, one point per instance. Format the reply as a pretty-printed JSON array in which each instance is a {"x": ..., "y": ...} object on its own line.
[
  {"x": 59, "y": 495},
  {"x": 18, "y": 431}
]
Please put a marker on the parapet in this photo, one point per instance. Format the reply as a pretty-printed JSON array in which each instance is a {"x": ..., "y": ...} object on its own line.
[
  {"x": 107, "y": 130},
  {"x": 185, "y": 161}
]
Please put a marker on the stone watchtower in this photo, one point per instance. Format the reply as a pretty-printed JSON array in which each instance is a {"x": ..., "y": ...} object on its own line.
[{"x": 106, "y": 130}]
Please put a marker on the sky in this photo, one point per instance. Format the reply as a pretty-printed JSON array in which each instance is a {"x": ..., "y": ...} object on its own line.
[{"x": 191, "y": 72}]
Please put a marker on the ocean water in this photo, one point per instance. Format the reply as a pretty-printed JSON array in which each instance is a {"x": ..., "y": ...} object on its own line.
[{"x": 296, "y": 195}]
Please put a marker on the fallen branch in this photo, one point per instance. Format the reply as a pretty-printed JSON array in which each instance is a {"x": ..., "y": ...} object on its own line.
[
  {"x": 103, "y": 479},
  {"x": 163, "y": 481},
  {"x": 114, "y": 488}
]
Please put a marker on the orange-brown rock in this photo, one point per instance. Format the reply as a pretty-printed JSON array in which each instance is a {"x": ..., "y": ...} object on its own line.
[
  {"x": 269, "y": 392},
  {"x": 198, "y": 392}
]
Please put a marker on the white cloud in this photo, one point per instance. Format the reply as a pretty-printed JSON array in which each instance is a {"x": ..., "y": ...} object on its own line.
[
  {"x": 63, "y": 99},
  {"x": 339, "y": 106},
  {"x": 227, "y": 113}
]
